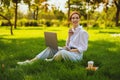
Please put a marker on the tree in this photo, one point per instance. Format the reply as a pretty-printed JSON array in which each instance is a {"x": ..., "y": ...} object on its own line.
[
  {"x": 36, "y": 6},
  {"x": 59, "y": 14},
  {"x": 96, "y": 2},
  {"x": 11, "y": 30},
  {"x": 6, "y": 3},
  {"x": 16, "y": 8},
  {"x": 117, "y": 4}
]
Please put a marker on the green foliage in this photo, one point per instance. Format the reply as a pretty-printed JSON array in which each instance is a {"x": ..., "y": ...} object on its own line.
[
  {"x": 59, "y": 15},
  {"x": 6, "y": 3}
]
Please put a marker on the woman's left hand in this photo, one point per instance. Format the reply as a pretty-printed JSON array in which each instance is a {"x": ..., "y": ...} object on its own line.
[{"x": 73, "y": 50}]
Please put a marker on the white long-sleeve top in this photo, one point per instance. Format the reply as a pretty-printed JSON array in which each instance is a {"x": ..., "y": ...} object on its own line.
[{"x": 79, "y": 39}]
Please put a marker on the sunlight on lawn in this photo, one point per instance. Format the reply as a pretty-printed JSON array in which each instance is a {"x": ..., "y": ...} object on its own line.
[{"x": 39, "y": 32}]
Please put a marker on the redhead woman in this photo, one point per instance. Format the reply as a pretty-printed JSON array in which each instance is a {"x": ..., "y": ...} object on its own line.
[{"x": 76, "y": 44}]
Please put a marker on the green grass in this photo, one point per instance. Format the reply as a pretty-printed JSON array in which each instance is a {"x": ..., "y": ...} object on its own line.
[{"x": 26, "y": 43}]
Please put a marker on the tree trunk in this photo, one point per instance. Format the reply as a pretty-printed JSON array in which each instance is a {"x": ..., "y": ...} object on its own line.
[
  {"x": 117, "y": 17},
  {"x": 11, "y": 30},
  {"x": 68, "y": 12},
  {"x": 34, "y": 14},
  {"x": 37, "y": 13},
  {"x": 16, "y": 8},
  {"x": 117, "y": 12}
]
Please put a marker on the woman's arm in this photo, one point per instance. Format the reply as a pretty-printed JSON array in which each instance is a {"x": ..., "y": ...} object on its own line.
[
  {"x": 70, "y": 33},
  {"x": 83, "y": 42}
]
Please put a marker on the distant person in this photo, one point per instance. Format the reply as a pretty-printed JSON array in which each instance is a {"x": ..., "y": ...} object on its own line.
[{"x": 76, "y": 44}]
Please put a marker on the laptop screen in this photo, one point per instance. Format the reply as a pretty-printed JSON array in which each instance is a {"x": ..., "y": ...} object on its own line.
[{"x": 51, "y": 40}]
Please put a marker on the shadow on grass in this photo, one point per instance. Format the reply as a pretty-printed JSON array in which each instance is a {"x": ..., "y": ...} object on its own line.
[{"x": 20, "y": 48}]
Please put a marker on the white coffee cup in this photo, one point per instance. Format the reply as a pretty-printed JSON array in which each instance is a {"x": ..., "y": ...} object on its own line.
[{"x": 90, "y": 64}]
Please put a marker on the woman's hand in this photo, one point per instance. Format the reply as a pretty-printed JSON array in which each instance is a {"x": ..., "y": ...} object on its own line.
[
  {"x": 73, "y": 50},
  {"x": 70, "y": 32}
]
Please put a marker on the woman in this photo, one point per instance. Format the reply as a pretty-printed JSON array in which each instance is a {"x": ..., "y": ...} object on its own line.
[{"x": 76, "y": 44}]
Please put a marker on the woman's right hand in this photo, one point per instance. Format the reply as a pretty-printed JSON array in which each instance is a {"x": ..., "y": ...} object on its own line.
[{"x": 70, "y": 32}]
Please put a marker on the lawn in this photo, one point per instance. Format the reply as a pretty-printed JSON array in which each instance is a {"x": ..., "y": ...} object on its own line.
[{"x": 27, "y": 42}]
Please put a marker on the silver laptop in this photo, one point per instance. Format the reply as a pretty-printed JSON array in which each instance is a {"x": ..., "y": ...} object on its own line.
[{"x": 51, "y": 40}]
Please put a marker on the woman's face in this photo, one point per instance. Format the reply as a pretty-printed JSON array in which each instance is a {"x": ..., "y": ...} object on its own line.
[{"x": 75, "y": 20}]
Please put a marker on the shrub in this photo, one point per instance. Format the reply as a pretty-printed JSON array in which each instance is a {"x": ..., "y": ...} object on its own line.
[
  {"x": 22, "y": 22},
  {"x": 84, "y": 24},
  {"x": 48, "y": 23},
  {"x": 5, "y": 23},
  {"x": 31, "y": 23},
  {"x": 96, "y": 25},
  {"x": 110, "y": 24}
]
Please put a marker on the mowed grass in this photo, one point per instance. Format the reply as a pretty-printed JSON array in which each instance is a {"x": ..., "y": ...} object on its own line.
[{"x": 27, "y": 42}]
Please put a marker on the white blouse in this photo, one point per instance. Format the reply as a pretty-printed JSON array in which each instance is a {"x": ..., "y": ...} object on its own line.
[{"x": 79, "y": 39}]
